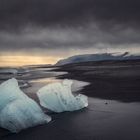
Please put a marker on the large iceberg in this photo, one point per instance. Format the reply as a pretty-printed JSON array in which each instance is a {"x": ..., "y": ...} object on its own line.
[
  {"x": 17, "y": 110},
  {"x": 58, "y": 97}
]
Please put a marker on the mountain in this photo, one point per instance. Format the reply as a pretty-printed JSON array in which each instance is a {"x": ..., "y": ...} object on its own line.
[{"x": 98, "y": 57}]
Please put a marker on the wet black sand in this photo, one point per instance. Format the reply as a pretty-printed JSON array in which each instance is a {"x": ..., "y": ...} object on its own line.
[
  {"x": 118, "y": 80},
  {"x": 115, "y": 121},
  {"x": 114, "y": 106}
]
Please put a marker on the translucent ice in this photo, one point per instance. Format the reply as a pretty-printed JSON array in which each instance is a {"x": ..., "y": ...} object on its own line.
[
  {"x": 17, "y": 110},
  {"x": 58, "y": 97},
  {"x": 9, "y": 91}
]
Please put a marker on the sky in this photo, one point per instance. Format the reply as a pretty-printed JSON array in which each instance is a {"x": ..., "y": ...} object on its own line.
[{"x": 45, "y": 31}]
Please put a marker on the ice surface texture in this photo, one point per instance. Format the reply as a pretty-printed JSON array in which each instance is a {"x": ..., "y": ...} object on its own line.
[
  {"x": 17, "y": 110},
  {"x": 58, "y": 97}
]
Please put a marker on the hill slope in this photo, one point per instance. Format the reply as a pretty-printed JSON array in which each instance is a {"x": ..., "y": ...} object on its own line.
[{"x": 97, "y": 57}]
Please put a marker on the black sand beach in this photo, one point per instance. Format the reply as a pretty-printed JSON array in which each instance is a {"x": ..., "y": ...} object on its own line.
[
  {"x": 114, "y": 102},
  {"x": 118, "y": 80}
]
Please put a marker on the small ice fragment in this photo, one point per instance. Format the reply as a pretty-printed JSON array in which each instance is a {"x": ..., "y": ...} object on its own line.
[{"x": 58, "y": 97}]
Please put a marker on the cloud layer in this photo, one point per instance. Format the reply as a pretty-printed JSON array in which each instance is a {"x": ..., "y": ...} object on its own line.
[
  {"x": 17, "y": 13},
  {"x": 59, "y": 26}
]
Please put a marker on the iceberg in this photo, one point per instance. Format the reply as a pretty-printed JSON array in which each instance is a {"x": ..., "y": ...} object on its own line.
[
  {"x": 58, "y": 97},
  {"x": 17, "y": 110}
]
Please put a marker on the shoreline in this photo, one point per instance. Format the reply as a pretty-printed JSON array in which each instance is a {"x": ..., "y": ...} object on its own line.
[
  {"x": 111, "y": 114},
  {"x": 119, "y": 83}
]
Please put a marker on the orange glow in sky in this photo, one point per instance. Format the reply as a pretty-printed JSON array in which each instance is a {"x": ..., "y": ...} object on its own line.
[{"x": 20, "y": 60}]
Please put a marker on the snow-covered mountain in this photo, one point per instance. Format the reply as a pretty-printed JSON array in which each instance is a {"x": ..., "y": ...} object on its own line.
[{"x": 98, "y": 57}]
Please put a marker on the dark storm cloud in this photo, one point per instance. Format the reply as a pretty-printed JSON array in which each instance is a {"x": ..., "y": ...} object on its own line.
[
  {"x": 15, "y": 14},
  {"x": 68, "y": 24},
  {"x": 47, "y": 38}
]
